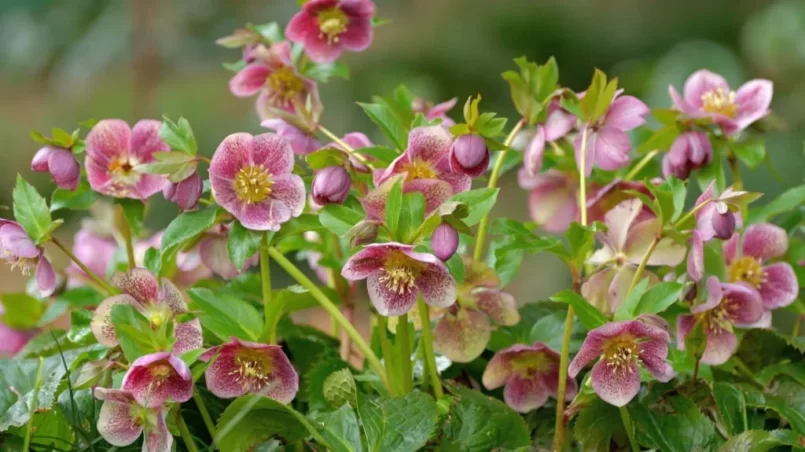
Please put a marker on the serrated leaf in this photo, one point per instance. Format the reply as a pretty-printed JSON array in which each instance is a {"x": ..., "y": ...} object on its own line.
[
  {"x": 31, "y": 211},
  {"x": 400, "y": 424},
  {"x": 325, "y": 157},
  {"x": 242, "y": 244},
  {"x": 788, "y": 200},
  {"x": 339, "y": 219},
  {"x": 81, "y": 199},
  {"x": 133, "y": 332},
  {"x": 184, "y": 229},
  {"x": 412, "y": 215},
  {"x": 588, "y": 315},
  {"x": 388, "y": 122},
  {"x": 178, "y": 135},
  {"x": 225, "y": 315},
  {"x": 21, "y": 311},
  {"x": 340, "y": 428},
  {"x": 752, "y": 151},
  {"x": 659, "y": 298},
  {"x": 731, "y": 406},
  {"x": 596, "y": 424},
  {"x": 479, "y": 202}
]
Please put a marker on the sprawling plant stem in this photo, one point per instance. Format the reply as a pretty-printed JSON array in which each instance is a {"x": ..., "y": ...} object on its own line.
[
  {"x": 29, "y": 428},
  {"x": 128, "y": 237},
  {"x": 429, "y": 357},
  {"x": 403, "y": 340},
  {"x": 388, "y": 356},
  {"x": 642, "y": 266},
  {"x": 641, "y": 164},
  {"x": 737, "y": 181},
  {"x": 103, "y": 285}
]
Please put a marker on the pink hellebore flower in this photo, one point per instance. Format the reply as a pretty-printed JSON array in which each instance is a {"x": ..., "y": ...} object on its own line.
[
  {"x": 396, "y": 275},
  {"x": 625, "y": 244},
  {"x": 122, "y": 420},
  {"x": 608, "y": 145},
  {"x": 727, "y": 306},
  {"x": 707, "y": 95},
  {"x": 158, "y": 304},
  {"x": 274, "y": 76},
  {"x": 251, "y": 178},
  {"x": 530, "y": 374},
  {"x": 60, "y": 163},
  {"x": 558, "y": 124},
  {"x": 19, "y": 250},
  {"x": 438, "y": 111},
  {"x": 301, "y": 142},
  {"x": 158, "y": 378},
  {"x": 623, "y": 347},
  {"x": 95, "y": 251},
  {"x": 250, "y": 368},
  {"x": 553, "y": 202},
  {"x": 328, "y": 27},
  {"x": 690, "y": 151},
  {"x": 776, "y": 283},
  {"x": 114, "y": 150}
]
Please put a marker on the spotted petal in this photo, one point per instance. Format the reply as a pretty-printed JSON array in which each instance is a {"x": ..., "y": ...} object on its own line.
[
  {"x": 500, "y": 306},
  {"x": 101, "y": 323},
  {"x": 368, "y": 261},
  {"x": 764, "y": 241},
  {"x": 616, "y": 386},
  {"x": 140, "y": 283},
  {"x": 159, "y": 377},
  {"x": 116, "y": 422},
  {"x": 188, "y": 336},
  {"x": 387, "y": 301},
  {"x": 525, "y": 394},
  {"x": 157, "y": 436},
  {"x": 463, "y": 336},
  {"x": 429, "y": 143},
  {"x": 654, "y": 356}
]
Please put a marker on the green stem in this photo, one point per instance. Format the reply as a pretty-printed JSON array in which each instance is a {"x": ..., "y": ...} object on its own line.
[
  {"x": 349, "y": 149},
  {"x": 642, "y": 267},
  {"x": 744, "y": 370},
  {"x": 403, "y": 340},
  {"x": 687, "y": 216},
  {"x": 427, "y": 347},
  {"x": 641, "y": 164},
  {"x": 129, "y": 239},
  {"x": 91, "y": 274},
  {"x": 205, "y": 414},
  {"x": 272, "y": 311},
  {"x": 737, "y": 181},
  {"x": 627, "y": 424},
  {"x": 333, "y": 310},
  {"x": 186, "y": 436},
  {"x": 493, "y": 181},
  {"x": 29, "y": 429},
  {"x": 388, "y": 356}
]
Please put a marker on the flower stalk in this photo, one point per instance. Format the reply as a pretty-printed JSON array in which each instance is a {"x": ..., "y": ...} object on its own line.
[
  {"x": 349, "y": 149},
  {"x": 95, "y": 278},
  {"x": 187, "y": 437},
  {"x": 404, "y": 348},
  {"x": 272, "y": 311},
  {"x": 427, "y": 347}
]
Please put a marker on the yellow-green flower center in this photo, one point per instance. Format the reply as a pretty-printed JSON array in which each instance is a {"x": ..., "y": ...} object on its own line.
[
  {"x": 332, "y": 22},
  {"x": 720, "y": 101},
  {"x": 284, "y": 85},
  {"x": 25, "y": 264},
  {"x": 160, "y": 372},
  {"x": 530, "y": 363},
  {"x": 400, "y": 273},
  {"x": 419, "y": 169},
  {"x": 720, "y": 318},
  {"x": 253, "y": 184},
  {"x": 157, "y": 315},
  {"x": 748, "y": 270},
  {"x": 621, "y": 353},
  {"x": 252, "y": 368}
]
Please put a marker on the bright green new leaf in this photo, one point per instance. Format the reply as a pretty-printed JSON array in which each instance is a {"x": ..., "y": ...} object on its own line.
[{"x": 31, "y": 211}]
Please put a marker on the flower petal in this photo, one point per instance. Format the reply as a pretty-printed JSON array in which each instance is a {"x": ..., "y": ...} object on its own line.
[
  {"x": 654, "y": 356},
  {"x": 273, "y": 152},
  {"x": 159, "y": 377},
  {"x": 462, "y": 337},
  {"x": 172, "y": 297},
  {"x": 780, "y": 287},
  {"x": 145, "y": 140},
  {"x": 386, "y": 301},
  {"x": 214, "y": 254},
  {"x": 15, "y": 241},
  {"x": 45, "y": 277},
  {"x": 101, "y": 323},
  {"x": 626, "y": 113},
  {"x": 753, "y": 99},
  {"x": 157, "y": 436},
  {"x": 429, "y": 143},
  {"x": 498, "y": 370},
  {"x": 233, "y": 154},
  {"x": 700, "y": 83},
  {"x": 614, "y": 385},
  {"x": 589, "y": 149},
  {"x": 188, "y": 336},
  {"x": 249, "y": 80},
  {"x": 108, "y": 139},
  {"x": 592, "y": 347},
  {"x": 435, "y": 192},
  {"x": 358, "y": 35},
  {"x": 595, "y": 289},
  {"x": 553, "y": 202},
  {"x": 524, "y": 395},
  {"x": 115, "y": 421},
  {"x": 745, "y": 303},
  {"x": 289, "y": 189},
  {"x": 558, "y": 124},
  {"x": 281, "y": 382},
  {"x": 140, "y": 283},
  {"x": 612, "y": 147},
  {"x": 764, "y": 241},
  {"x": 64, "y": 168},
  {"x": 437, "y": 286},
  {"x": 696, "y": 257},
  {"x": 619, "y": 287},
  {"x": 368, "y": 261},
  {"x": 680, "y": 103},
  {"x": 498, "y": 305},
  {"x": 721, "y": 344},
  {"x": 619, "y": 221},
  {"x": 532, "y": 156}
]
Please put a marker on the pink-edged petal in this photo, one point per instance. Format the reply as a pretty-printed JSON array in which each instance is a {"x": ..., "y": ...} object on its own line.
[
  {"x": 753, "y": 99},
  {"x": 619, "y": 221},
  {"x": 387, "y": 301},
  {"x": 700, "y": 83},
  {"x": 140, "y": 283},
  {"x": 612, "y": 147},
  {"x": 437, "y": 286},
  {"x": 616, "y": 386},
  {"x": 214, "y": 254},
  {"x": 367, "y": 262},
  {"x": 498, "y": 370},
  {"x": 188, "y": 336},
  {"x": 429, "y": 143},
  {"x": 500, "y": 306},
  {"x": 619, "y": 287},
  {"x": 302, "y": 25},
  {"x": 595, "y": 289},
  {"x": 525, "y": 394},
  {"x": 696, "y": 257},
  {"x": 265, "y": 216},
  {"x": 626, "y": 113},
  {"x": 171, "y": 296},
  {"x": 764, "y": 241},
  {"x": 145, "y": 140},
  {"x": 157, "y": 437},
  {"x": 551, "y": 381},
  {"x": 12, "y": 341},
  {"x": 721, "y": 344},
  {"x": 532, "y": 156},
  {"x": 746, "y": 306},
  {"x": 358, "y": 35},
  {"x": 780, "y": 287},
  {"x": 101, "y": 323},
  {"x": 45, "y": 277},
  {"x": 463, "y": 336},
  {"x": 40, "y": 161},
  {"x": 320, "y": 50},
  {"x": 221, "y": 374},
  {"x": 435, "y": 191},
  {"x": 592, "y": 348},
  {"x": 148, "y": 185},
  {"x": 108, "y": 139},
  {"x": 157, "y": 378},
  {"x": 249, "y": 80},
  {"x": 357, "y": 140},
  {"x": 653, "y": 356},
  {"x": 302, "y": 143},
  {"x": 680, "y": 103},
  {"x": 278, "y": 379},
  {"x": 115, "y": 421},
  {"x": 763, "y": 323},
  {"x": 273, "y": 152},
  {"x": 233, "y": 154},
  {"x": 15, "y": 241},
  {"x": 289, "y": 189},
  {"x": 558, "y": 124}
]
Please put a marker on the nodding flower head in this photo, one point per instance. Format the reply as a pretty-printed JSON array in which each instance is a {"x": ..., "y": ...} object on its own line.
[
  {"x": 328, "y": 27},
  {"x": 19, "y": 251},
  {"x": 122, "y": 420},
  {"x": 158, "y": 378},
  {"x": 60, "y": 163}
]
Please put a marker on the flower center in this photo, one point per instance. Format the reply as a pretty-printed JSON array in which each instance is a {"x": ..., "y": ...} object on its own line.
[
  {"x": 252, "y": 368},
  {"x": 332, "y": 22},
  {"x": 531, "y": 363},
  {"x": 419, "y": 169},
  {"x": 720, "y": 101},
  {"x": 284, "y": 85},
  {"x": 720, "y": 318},
  {"x": 400, "y": 273},
  {"x": 122, "y": 170},
  {"x": 621, "y": 353},
  {"x": 157, "y": 315},
  {"x": 253, "y": 184},
  {"x": 748, "y": 270},
  {"x": 25, "y": 264},
  {"x": 160, "y": 372}
]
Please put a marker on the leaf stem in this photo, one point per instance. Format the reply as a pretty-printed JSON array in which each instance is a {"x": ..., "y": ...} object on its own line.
[
  {"x": 493, "y": 181},
  {"x": 271, "y": 311},
  {"x": 641, "y": 164},
  {"x": 97, "y": 279},
  {"x": 183, "y": 430},
  {"x": 388, "y": 356},
  {"x": 332, "y": 309},
  {"x": 427, "y": 348},
  {"x": 643, "y": 263},
  {"x": 34, "y": 400},
  {"x": 205, "y": 414},
  {"x": 403, "y": 340},
  {"x": 629, "y": 426},
  {"x": 347, "y": 148}
]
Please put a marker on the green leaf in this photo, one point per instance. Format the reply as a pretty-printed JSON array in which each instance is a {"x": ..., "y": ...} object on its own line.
[
  {"x": 479, "y": 202},
  {"x": 325, "y": 157},
  {"x": 659, "y": 298},
  {"x": 588, "y": 315},
  {"x": 596, "y": 424},
  {"x": 322, "y": 72},
  {"x": 184, "y": 229},
  {"x": 133, "y": 331},
  {"x": 507, "y": 258},
  {"x": 80, "y": 199},
  {"x": 393, "y": 208},
  {"x": 178, "y": 135},
  {"x": 731, "y": 406},
  {"x": 225, "y": 315},
  {"x": 388, "y": 122},
  {"x": 580, "y": 241},
  {"x": 412, "y": 215},
  {"x": 31, "y": 211},
  {"x": 177, "y": 165},
  {"x": 242, "y": 244},
  {"x": 479, "y": 423},
  {"x": 339, "y": 219},
  {"x": 21, "y": 311},
  {"x": 589, "y": 102},
  {"x": 762, "y": 441},
  {"x": 684, "y": 428},
  {"x": 787, "y": 399},
  {"x": 752, "y": 151},
  {"x": 271, "y": 31},
  {"x": 662, "y": 139},
  {"x": 400, "y": 424},
  {"x": 153, "y": 260},
  {"x": 787, "y": 201},
  {"x": 297, "y": 298},
  {"x": 382, "y": 154},
  {"x": 340, "y": 428},
  {"x": 134, "y": 212},
  {"x": 626, "y": 310}
]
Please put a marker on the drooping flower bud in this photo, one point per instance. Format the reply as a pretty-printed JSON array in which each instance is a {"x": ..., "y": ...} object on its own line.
[
  {"x": 61, "y": 165},
  {"x": 690, "y": 151},
  {"x": 186, "y": 193},
  {"x": 444, "y": 241},
  {"x": 331, "y": 185},
  {"x": 362, "y": 233},
  {"x": 723, "y": 222},
  {"x": 469, "y": 155}
]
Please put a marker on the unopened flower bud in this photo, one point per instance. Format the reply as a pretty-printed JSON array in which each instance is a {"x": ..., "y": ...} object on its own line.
[
  {"x": 339, "y": 388},
  {"x": 690, "y": 151},
  {"x": 469, "y": 155},
  {"x": 444, "y": 241},
  {"x": 61, "y": 165},
  {"x": 723, "y": 223},
  {"x": 186, "y": 193},
  {"x": 331, "y": 185},
  {"x": 362, "y": 233}
]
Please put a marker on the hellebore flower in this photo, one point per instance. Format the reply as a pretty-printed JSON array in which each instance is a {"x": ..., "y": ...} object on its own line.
[
  {"x": 114, "y": 150},
  {"x": 469, "y": 155},
  {"x": 251, "y": 178},
  {"x": 301, "y": 142},
  {"x": 707, "y": 95},
  {"x": 727, "y": 306},
  {"x": 396, "y": 275},
  {"x": 438, "y": 111},
  {"x": 623, "y": 348},
  {"x": 158, "y": 304},
  {"x": 158, "y": 378},
  {"x": 250, "y": 368},
  {"x": 558, "y": 124},
  {"x": 186, "y": 193},
  {"x": 714, "y": 213},
  {"x": 553, "y": 202},
  {"x": 690, "y": 151},
  {"x": 444, "y": 241},
  {"x": 18, "y": 250},
  {"x": 604, "y": 199},
  {"x": 328, "y": 27},
  {"x": 122, "y": 420},
  {"x": 274, "y": 76},
  {"x": 61, "y": 165},
  {"x": 530, "y": 374},
  {"x": 776, "y": 283},
  {"x": 608, "y": 145},
  {"x": 214, "y": 252},
  {"x": 331, "y": 185},
  {"x": 625, "y": 243}
]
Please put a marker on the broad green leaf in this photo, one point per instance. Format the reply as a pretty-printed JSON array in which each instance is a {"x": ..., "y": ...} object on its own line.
[
  {"x": 178, "y": 166},
  {"x": 412, "y": 215},
  {"x": 225, "y": 315},
  {"x": 271, "y": 31},
  {"x": 382, "y": 154},
  {"x": 21, "y": 311},
  {"x": 339, "y": 219},
  {"x": 683, "y": 429},
  {"x": 588, "y": 315},
  {"x": 134, "y": 212},
  {"x": 297, "y": 298},
  {"x": 580, "y": 241},
  {"x": 479, "y": 202},
  {"x": 752, "y": 151},
  {"x": 596, "y": 424},
  {"x": 388, "y": 122},
  {"x": 242, "y": 244},
  {"x": 731, "y": 406},
  {"x": 506, "y": 258},
  {"x": 626, "y": 311},
  {"x": 301, "y": 224},
  {"x": 184, "y": 229},
  {"x": 31, "y": 211},
  {"x": 659, "y": 298},
  {"x": 80, "y": 199},
  {"x": 178, "y": 135},
  {"x": 787, "y": 201},
  {"x": 662, "y": 139},
  {"x": 133, "y": 331},
  {"x": 340, "y": 428},
  {"x": 400, "y": 424},
  {"x": 787, "y": 399},
  {"x": 393, "y": 208},
  {"x": 762, "y": 441},
  {"x": 323, "y": 71},
  {"x": 153, "y": 260},
  {"x": 325, "y": 157}
]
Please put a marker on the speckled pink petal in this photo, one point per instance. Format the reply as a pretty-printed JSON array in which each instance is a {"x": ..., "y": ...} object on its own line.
[
  {"x": 500, "y": 306},
  {"x": 115, "y": 421},
  {"x": 614, "y": 385},
  {"x": 233, "y": 154},
  {"x": 171, "y": 296},
  {"x": 764, "y": 241},
  {"x": 730, "y": 248},
  {"x": 524, "y": 395},
  {"x": 386, "y": 301},
  {"x": 654, "y": 357},
  {"x": 273, "y": 152},
  {"x": 367, "y": 262},
  {"x": 101, "y": 323},
  {"x": 458, "y": 182},
  {"x": 700, "y": 83},
  {"x": 780, "y": 288},
  {"x": 265, "y": 216},
  {"x": 281, "y": 383},
  {"x": 591, "y": 348},
  {"x": 463, "y": 336},
  {"x": 221, "y": 375},
  {"x": 157, "y": 436},
  {"x": 159, "y": 377},
  {"x": 696, "y": 257},
  {"x": 429, "y": 143},
  {"x": 188, "y": 336},
  {"x": 626, "y": 113},
  {"x": 720, "y": 346},
  {"x": 434, "y": 191},
  {"x": 145, "y": 140},
  {"x": 289, "y": 189},
  {"x": 374, "y": 202},
  {"x": 140, "y": 283},
  {"x": 108, "y": 139},
  {"x": 437, "y": 286},
  {"x": 498, "y": 370},
  {"x": 249, "y": 80},
  {"x": 149, "y": 184}
]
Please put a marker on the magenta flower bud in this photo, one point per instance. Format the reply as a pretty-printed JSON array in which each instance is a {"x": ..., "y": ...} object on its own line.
[
  {"x": 61, "y": 165},
  {"x": 444, "y": 241},
  {"x": 331, "y": 185},
  {"x": 469, "y": 155},
  {"x": 186, "y": 193},
  {"x": 723, "y": 223},
  {"x": 690, "y": 151}
]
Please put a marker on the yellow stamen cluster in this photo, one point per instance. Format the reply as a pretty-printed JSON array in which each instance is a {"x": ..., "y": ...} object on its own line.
[
  {"x": 400, "y": 273},
  {"x": 160, "y": 372},
  {"x": 252, "y": 369},
  {"x": 419, "y": 169},
  {"x": 747, "y": 269},
  {"x": 284, "y": 86},
  {"x": 158, "y": 314},
  {"x": 25, "y": 264},
  {"x": 720, "y": 101},
  {"x": 621, "y": 353},
  {"x": 332, "y": 22},
  {"x": 253, "y": 184},
  {"x": 530, "y": 363},
  {"x": 720, "y": 318}
]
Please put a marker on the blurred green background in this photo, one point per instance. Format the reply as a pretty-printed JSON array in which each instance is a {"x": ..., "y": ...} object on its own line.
[{"x": 62, "y": 62}]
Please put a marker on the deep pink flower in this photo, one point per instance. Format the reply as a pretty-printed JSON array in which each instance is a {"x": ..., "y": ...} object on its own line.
[
  {"x": 727, "y": 306},
  {"x": 250, "y": 368},
  {"x": 396, "y": 274},
  {"x": 301, "y": 142},
  {"x": 553, "y": 202},
  {"x": 530, "y": 374},
  {"x": 281, "y": 87},
  {"x": 776, "y": 283},
  {"x": 707, "y": 94},
  {"x": 558, "y": 124},
  {"x": 623, "y": 347},
  {"x": 60, "y": 163},
  {"x": 328, "y": 27},
  {"x": 690, "y": 151},
  {"x": 469, "y": 155},
  {"x": 18, "y": 250},
  {"x": 158, "y": 378},
  {"x": 114, "y": 150},
  {"x": 251, "y": 178},
  {"x": 438, "y": 111},
  {"x": 158, "y": 304},
  {"x": 608, "y": 145},
  {"x": 186, "y": 193},
  {"x": 122, "y": 420}
]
